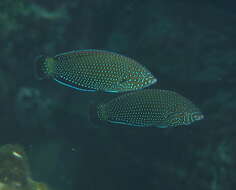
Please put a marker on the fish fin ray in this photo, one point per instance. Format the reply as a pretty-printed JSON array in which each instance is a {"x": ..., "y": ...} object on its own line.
[{"x": 40, "y": 67}]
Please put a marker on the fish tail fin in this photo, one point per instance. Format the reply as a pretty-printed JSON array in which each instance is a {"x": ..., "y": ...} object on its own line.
[{"x": 44, "y": 67}]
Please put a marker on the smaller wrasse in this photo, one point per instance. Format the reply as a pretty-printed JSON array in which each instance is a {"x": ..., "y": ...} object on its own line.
[
  {"x": 148, "y": 108},
  {"x": 95, "y": 70}
]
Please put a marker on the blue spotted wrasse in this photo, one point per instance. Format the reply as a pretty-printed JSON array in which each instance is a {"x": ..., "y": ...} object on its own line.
[
  {"x": 147, "y": 108},
  {"x": 95, "y": 70}
]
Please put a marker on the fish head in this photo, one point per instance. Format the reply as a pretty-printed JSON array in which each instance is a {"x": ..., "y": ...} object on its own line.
[
  {"x": 190, "y": 117},
  {"x": 184, "y": 118},
  {"x": 136, "y": 81}
]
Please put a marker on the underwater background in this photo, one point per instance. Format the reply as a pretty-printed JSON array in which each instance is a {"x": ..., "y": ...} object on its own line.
[{"x": 189, "y": 45}]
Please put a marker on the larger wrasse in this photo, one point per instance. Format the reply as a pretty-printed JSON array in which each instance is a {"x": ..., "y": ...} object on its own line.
[{"x": 95, "y": 70}]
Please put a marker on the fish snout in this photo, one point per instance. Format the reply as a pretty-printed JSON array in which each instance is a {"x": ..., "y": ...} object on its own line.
[
  {"x": 149, "y": 80},
  {"x": 197, "y": 116}
]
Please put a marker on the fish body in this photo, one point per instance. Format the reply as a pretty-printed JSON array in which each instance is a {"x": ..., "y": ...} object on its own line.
[
  {"x": 95, "y": 70},
  {"x": 148, "y": 108}
]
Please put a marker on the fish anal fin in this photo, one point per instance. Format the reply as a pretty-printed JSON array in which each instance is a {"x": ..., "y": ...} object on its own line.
[
  {"x": 67, "y": 83},
  {"x": 161, "y": 125}
]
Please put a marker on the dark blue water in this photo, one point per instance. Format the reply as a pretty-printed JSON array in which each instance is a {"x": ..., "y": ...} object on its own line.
[{"x": 190, "y": 46}]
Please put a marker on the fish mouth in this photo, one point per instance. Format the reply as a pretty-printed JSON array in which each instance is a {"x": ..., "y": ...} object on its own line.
[
  {"x": 198, "y": 116},
  {"x": 154, "y": 80}
]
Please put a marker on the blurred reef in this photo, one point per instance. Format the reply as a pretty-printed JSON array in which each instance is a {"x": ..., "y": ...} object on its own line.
[
  {"x": 14, "y": 170},
  {"x": 190, "y": 46}
]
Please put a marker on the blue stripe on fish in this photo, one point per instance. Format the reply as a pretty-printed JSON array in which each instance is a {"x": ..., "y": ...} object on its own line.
[
  {"x": 77, "y": 88},
  {"x": 125, "y": 123},
  {"x": 161, "y": 125},
  {"x": 112, "y": 91}
]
